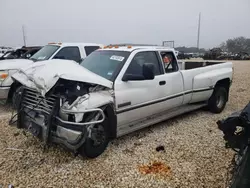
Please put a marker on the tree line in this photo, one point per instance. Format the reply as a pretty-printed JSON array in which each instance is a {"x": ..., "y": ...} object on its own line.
[{"x": 235, "y": 45}]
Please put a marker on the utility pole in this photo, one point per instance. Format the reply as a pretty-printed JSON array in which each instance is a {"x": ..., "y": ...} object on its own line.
[
  {"x": 24, "y": 37},
  {"x": 198, "y": 38}
]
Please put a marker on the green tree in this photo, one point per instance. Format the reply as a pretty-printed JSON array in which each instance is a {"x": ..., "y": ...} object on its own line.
[{"x": 238, "y": 44}]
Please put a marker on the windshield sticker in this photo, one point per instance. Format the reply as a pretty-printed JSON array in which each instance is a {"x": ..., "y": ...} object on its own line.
[
  {"x": 117, "y": 58},
  {"x": 110, "y": 73}
]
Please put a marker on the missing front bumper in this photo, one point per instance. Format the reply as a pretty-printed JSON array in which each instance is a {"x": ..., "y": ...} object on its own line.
[{"x": 50, "y": 128}]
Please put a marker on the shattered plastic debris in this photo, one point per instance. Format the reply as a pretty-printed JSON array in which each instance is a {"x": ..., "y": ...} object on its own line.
[
  {"x": 160, "y": 148},
  {"x": 155, "y": 167}
]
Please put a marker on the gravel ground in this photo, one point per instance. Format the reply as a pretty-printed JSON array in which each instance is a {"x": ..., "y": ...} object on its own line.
[{"x": 194, "y": 153}]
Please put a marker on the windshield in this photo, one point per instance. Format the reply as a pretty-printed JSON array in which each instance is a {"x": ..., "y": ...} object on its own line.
[
  {"x": 105, "y": 63},
  {"x": 45, "y": 53}
]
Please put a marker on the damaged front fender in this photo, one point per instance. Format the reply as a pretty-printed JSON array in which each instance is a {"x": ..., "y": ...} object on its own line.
[{"x": 89, "y": 103}]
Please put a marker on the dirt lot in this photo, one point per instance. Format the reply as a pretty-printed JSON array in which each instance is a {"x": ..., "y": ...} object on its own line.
[{"x": 194, "y": 153}]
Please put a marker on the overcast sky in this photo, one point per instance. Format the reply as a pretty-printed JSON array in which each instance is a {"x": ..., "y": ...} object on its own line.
[{"x": 114, "y": 21}]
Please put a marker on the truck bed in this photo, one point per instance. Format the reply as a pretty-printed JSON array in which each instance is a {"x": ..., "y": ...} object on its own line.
[
  {"x": 196, "y": 64},
  {"x": 201, "y": 76}
]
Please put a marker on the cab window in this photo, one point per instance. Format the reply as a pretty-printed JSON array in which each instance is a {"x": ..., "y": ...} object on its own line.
[
  {"x": 69, "y": 53},
  {"x": 141, "y": 58},
  {"x": 169, "y": 62}
]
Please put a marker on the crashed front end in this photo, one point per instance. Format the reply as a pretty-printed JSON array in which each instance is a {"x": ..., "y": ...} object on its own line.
[
  {"x": 60, "y": 118},
  {"x": 66, "y": 114}
]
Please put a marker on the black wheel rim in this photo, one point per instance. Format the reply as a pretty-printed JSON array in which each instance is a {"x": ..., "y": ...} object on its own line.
[{"x": 98, "y": 135}]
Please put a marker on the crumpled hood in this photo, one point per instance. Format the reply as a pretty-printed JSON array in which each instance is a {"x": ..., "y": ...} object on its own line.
[
  {"x": 9, "y": 64},
  {"x": 43, "y": 75}
]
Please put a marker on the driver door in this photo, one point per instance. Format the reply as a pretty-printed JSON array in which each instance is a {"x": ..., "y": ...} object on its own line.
[{"x": 138, "y": 99}]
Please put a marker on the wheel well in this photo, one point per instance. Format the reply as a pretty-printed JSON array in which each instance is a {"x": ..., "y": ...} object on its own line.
[
  {"x": 12, "y": 89},
  {"x": 110, "y": 113},
  {"x": 224, "y": 83}
]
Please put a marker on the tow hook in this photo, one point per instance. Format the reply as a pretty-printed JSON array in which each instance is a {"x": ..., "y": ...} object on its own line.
[
  {"x": 89, "y": 130},
  {"x": 91, "y": 127}
]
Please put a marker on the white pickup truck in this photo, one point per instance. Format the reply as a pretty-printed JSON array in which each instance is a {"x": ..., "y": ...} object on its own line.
[
  {"x": 70, "y": 51},
  {"x": 113, "y": 92}
]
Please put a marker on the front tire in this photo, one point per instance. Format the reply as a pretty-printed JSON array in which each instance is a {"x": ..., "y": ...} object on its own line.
[
  {"x": 218, "y": 100},
  {"x": 95, "y": 146},
  {"x": 16, "y": 97}
]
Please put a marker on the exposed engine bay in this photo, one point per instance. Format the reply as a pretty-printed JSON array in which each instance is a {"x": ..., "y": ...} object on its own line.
[{"x": 69, "y": 90}]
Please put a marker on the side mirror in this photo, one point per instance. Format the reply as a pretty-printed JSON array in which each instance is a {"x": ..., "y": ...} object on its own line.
[
  {"x": 148, "y": 71},
  {"x": 81, "y": 60}
]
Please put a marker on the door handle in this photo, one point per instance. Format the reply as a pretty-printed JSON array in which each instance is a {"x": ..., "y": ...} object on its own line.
[{"x": 162, "y": 83}]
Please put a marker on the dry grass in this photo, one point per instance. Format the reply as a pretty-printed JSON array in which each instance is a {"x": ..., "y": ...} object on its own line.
[{"x": 194, "y": 151}]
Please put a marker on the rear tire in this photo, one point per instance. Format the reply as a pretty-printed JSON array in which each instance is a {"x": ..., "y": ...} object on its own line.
[{"x": 218, "y": 100}]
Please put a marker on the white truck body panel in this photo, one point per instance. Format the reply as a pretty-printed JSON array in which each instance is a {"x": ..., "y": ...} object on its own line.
[{"x": 14, "y": 64}]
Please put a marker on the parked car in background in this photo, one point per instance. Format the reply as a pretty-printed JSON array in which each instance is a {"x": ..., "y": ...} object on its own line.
[
  {"x": 68, "y": 51},
  {"x": 242, "y": 56},
  {"x": 182, "y": 55},
  {"x": 24, "y": 52},
  {"x": 4, "y": 49},
  {"x": 115, "y": 91},
  {"x": 30, "y": 52}
]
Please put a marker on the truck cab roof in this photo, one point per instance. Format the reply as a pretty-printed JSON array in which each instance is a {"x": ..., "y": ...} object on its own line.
[
  {"x": 62, "y": 44},
  {"x": 130, "y": 48}
]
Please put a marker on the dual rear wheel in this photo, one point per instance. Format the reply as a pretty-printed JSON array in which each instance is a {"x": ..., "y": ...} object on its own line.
[{"x": 218, "y": 100}]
